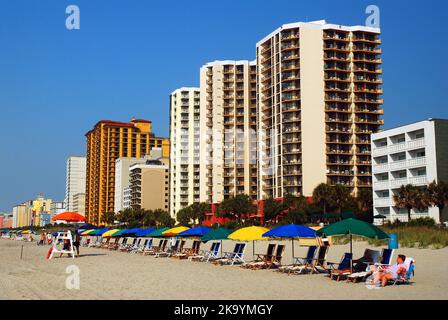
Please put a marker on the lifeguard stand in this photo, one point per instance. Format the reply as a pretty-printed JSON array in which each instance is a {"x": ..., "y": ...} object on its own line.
[{"x": 63, "y": 236}]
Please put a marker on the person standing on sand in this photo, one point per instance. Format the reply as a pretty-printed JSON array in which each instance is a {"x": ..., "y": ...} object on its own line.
[{"x": 76, "y": 242}]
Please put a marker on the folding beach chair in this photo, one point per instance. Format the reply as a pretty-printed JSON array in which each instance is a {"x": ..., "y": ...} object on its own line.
[
  {"x": 187, "y": 252},
  {"x": 276, "y": 260},
  {"x": 343, "y": 267},
  {"x": 237, "y": 256},
  {"x": 319, "y": 262},
  {"x": 406, "y": 279},
  {"x": 140, "y": 248},
  {"x": 386, "y": 260},
  {"x": 147, "y": 248},
  {"x": 208, "y": 255},
  {"x": 168, "y": 252},
  {"x": 261, "y": 259},
  {"x": 300, "y": 264},
  {"x": 155, "y": 249}
]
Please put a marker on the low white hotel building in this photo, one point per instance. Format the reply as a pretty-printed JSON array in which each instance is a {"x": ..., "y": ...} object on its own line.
[{"x": 412, "y": 154}]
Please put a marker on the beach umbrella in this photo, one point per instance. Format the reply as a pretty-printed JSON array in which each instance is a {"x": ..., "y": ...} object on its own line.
[
  {"x": 174, "y": 231},
  {"x": 144, "y": 232},
  {"x": 291, "y": 231},
  {"x": 194, "y": 232},
  {"x": 353, "y": 227},
  {"x": 249, "y": 234},
  {"x": 157, "y": 232},
  {"x": 110, "y": 233},
  {"x": 99, "y": 232},
  {"x": 88, "y": 232},
  {"x": 87, "y": 226},
  {"x": 126, "y": 232},
  {"x": 217, "y": 234},
  {"x": 69, "y": 217}
]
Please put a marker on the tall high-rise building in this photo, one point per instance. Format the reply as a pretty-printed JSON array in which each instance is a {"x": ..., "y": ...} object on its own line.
[
  {"x": 228, "y": 122},
  {"x": 122, "y": 180},
  {"x": 185, "y": 133},
  {"x": 75, "y": 180},
  {"x": 319, "y": 100},
  {"x": 149, "y": 182},
  {"x": 106, "y": 142}
]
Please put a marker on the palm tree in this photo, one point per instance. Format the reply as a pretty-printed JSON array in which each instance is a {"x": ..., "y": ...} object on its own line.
[
  {"x": 410, "y": 197},
  {"x": 438, "y": 196},
  {"x": 340, "y": 196},
  {"x": 365, "y": 199},
  {"x": 108, "y": 218},
  {"x": 323, "y": 196}
]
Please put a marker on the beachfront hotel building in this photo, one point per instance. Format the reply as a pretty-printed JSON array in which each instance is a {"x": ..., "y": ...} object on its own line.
[
  {"x": 319, "y": 99},
  {"x": 106, "y": 142},
  {"x": 185, "y": 134},
  {"x": 122, "y": 180},
  {"x": 149, "y": 182},
  {"x": 79, "y": 203},
  {"x": 228, "y": 122},
  {"x": 413, "y": 154},
  {"x": 75, "y": 180}
]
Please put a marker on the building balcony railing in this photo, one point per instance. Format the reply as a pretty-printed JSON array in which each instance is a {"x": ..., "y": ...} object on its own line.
[{"x": 382, "y": 202}]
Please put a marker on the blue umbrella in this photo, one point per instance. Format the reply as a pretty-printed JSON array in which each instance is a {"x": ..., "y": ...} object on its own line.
[
  {"x": 144, "y": 232},
  {"x": 87, "y": 226},
  {"x": 127, "y": 232},
  {"x": 99, "y": 232},
  {"x": 195, "y": 232},
  {"x": 291, "y": 231}
]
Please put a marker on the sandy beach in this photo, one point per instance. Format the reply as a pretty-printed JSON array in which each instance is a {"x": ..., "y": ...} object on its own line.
[{"x": 108, "y": 274}]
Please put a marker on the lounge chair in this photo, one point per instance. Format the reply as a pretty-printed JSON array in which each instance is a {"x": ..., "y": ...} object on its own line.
[
  {"x": 276, "y": 260},
  {"x": 261, "y": 259},
  {"x": 300, "y": 265},
  {"x": 386, "y": 260},
  {"x": 155, "y": 249},
  {"x": 140, "y": 248},
  {"x": 406, "y": 279},
  {"x": 319, "y": 263},
  {"x": 207, "y": 255},
  {"x": 231, "y": 258},
  {"x": 187, "y": 252},
  {"x": 169, "y": 251},
  {"x": 342, "y": 269},
  {"x": 147, "y": 247}
]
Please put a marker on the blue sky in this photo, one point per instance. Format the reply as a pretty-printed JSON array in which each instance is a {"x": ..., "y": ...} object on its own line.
[{"x": 129, "y": 55}]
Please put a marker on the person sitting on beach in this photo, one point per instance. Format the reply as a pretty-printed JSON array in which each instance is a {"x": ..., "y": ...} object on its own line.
[{"x": 391, "y": 272}]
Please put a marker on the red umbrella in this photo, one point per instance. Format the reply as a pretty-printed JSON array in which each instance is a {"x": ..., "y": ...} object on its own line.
[{"x": 69, "y": 217}]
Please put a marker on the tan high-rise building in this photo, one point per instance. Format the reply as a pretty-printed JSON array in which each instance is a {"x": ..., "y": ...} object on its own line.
[
  {"x": 319, "y": 101},
  {"x": 185, "y": 133},
  {"x": 149, "y": 182},
  {"x": 106, "y": 142},
  {"x": 228, "y": 121}
]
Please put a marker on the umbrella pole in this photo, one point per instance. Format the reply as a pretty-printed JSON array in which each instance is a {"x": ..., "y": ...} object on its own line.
[
  {"x": 253, "y": 249},
  {"x": 221, "y": 248},
  {"x": 351, "y": 253},
  {"x": 292, "y": 243}
]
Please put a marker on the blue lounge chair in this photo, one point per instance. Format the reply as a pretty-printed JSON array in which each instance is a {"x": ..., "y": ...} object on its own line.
[
  {"x": 343, "y": 267},
  {"x": 407, "y": 278},
  {"x": 231, "y": 258},
  {"x": 300, "y": 263},
  {"x": 207, "y": 255}
]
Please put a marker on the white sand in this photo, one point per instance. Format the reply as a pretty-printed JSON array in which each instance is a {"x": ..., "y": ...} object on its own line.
[{"x": 108, "y": 274}]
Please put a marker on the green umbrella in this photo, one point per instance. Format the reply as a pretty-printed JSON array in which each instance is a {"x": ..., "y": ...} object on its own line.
[
  {"x": 353, "y": 227},
  {"x": 217, "y": 234},
  {"x": 158, "y": 232}
]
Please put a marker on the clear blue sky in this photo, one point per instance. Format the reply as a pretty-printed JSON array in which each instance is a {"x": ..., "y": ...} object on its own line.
[{"x": 129, "y": 55}]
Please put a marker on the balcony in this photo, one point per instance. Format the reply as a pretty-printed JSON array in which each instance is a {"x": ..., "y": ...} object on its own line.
[
  {"x": 418, "y": 180},
  {"x": 418, "y": 143},
  {"x": 417, "y": 162},
  {"x": 397, "y": 165},
  {"x": 381, "y": 185},
  {"x": 380, "y": 168},
  {"x": 397, "y": 183},
  {"x": 382, "y": 202}
]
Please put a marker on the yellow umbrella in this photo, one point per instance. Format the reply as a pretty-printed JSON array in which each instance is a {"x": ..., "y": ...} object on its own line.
[
  {"x": 174, "y": 231},
  {"x": 249, "y": 234},
  {"x": 85, "y": 233},
  {"x": 110, "y": 233},
  {"x": 25, "y": 232}
]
